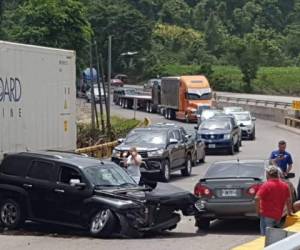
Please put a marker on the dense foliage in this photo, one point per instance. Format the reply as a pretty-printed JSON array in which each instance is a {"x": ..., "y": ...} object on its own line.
[{"x": 245, "y": 33}]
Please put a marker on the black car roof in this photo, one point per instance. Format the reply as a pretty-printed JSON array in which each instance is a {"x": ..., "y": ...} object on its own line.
[{"x": 81, "y": 161}]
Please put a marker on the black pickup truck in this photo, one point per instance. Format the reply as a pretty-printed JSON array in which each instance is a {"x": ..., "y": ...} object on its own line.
[
  {"x": 165, "y": 148},
  {"x": 82, "y": 192}
]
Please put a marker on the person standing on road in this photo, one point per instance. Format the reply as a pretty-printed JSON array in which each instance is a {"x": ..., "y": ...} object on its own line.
[
  {"x": 133, "y": 163},
  {"x": 271, "y": 200},
  {"x": 281, "y": 158}
]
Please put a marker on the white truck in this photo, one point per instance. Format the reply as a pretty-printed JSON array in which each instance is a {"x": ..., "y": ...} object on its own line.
[{"x": 37, "y": 98}]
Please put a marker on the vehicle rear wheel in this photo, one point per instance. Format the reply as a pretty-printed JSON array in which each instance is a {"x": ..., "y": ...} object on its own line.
[
  {"x": 103, "y": 223},
  {"x": 165, "y": 171},
  {"x": 187, "y": 171},
  {"x": 11, "y": 214},
  {"x": 203, "y": 223}
]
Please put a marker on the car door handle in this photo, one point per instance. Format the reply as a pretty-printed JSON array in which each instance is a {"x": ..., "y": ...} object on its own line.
[
  {"x": 25, "y": 185},
  {"x": 56, "y": 190}
]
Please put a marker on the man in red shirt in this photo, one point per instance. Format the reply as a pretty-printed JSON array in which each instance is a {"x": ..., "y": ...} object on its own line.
[{"x": 271, "y": 199}]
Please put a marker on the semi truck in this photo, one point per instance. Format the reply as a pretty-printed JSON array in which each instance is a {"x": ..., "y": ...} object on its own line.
[
  {"x": 174, "y": 97},
  {"x": 37, "y": 98}
]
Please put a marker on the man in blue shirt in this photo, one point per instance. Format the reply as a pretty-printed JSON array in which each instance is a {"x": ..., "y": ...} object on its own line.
[{"x": 282, "y": 158}]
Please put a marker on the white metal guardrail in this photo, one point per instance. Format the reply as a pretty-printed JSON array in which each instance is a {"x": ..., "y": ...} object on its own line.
[{"x": 254, "y": 101}]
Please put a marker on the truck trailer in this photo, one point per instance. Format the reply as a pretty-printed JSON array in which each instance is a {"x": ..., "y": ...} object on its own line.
[
  {"x": 37, "y": 98},
  {"x": 174, "y": 97}
]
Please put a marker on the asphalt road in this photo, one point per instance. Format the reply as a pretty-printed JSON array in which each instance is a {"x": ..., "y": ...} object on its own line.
[{"x": 222, "y": 234}]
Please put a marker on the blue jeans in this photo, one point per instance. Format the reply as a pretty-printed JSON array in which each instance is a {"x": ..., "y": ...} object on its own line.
[{"x": 267, "y": 222}]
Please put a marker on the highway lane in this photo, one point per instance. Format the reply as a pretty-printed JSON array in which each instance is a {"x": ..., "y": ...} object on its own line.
[{"x": 222, "y": 235}]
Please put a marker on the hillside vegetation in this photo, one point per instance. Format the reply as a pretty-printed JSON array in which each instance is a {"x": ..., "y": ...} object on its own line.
[{"x": 244, "y": 45}]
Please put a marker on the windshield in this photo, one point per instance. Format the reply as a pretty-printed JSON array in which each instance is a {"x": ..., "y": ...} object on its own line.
[
  {"x": 235, "y": 169},
  {"x": 194, "y": 96},
  {"x": 146, "y": 137},
  {"x": 242, "y": 117},
  {"x": 206, "y": 114},
  {"x": 109, "y": 175},
  {"x": 232, "y": 109},
  {"x": 212, "y": 125}
]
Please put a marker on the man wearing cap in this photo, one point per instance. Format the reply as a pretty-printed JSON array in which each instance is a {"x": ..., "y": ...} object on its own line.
[
  {"x": 271, "y": 200},
  {"x": 282, "y": 158}
]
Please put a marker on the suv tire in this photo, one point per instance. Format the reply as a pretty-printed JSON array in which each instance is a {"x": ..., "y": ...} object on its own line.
[
  {"x": 103, "y": 223},
  {"x": 165, "y": 171},
  {"x": 203, "y": 223},
  {"x": 187, "y": 171},
  {"x": 11, "y": 214}
]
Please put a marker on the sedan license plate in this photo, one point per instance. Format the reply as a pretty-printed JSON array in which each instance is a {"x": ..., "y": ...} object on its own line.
[
  {"x": 211, "y": 145},
  {"x": 229, "y": 193}
]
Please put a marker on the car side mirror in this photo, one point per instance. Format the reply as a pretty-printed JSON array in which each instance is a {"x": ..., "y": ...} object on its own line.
[
  {"x": 77, "y": 183},
  {"x": 290, "y": 175},
  {"x": 188, "y": 136},
  {"x": 253, "y": 118},
  {"x": 196, "y": 127},
  {"x": 173, "y": 141},
  {"x": 121, "y": 140}
]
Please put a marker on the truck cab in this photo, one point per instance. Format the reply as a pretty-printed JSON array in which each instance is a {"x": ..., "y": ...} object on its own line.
[
  {"x": 182, "y": 96},
  {"x": 195, "y": 92}
]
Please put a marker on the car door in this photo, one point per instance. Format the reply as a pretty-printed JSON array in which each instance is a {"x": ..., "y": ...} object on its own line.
[
  {"x": 235, "y": 130},
  {"x": 70, "y": 198},
  {"x": 174, "y": 151},
  {"x": 39, "y": 183},
  {"x": 181, "y": 147}
]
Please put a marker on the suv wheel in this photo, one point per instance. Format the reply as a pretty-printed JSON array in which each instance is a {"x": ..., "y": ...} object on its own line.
[
  {"x": 165, "y": 171},
  {"x": 103, "y": 223},
  {"x": 10, "y": 214},
  {"x": 253, "y": 135},
  {"x": 187, "y": 171},
  {"x": 203, "y": 223}
]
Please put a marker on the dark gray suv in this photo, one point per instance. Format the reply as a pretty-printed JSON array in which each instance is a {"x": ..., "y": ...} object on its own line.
[
  {"x": 220, "y": 132},
  {"x": 164, "y": 149}
]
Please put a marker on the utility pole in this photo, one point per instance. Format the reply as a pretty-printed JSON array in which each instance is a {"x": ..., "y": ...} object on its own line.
[
  {"x": 92, "y": 89},
  {"x": 108, "y": 86},
  {"x": 99, "y": 87}
]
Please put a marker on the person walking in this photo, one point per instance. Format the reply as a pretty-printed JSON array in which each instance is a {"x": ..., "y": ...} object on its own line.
[
  {"x": 281, "y": 158},
  {"x": 271, "y": 200},
  {"x": 133, "y": 163}
]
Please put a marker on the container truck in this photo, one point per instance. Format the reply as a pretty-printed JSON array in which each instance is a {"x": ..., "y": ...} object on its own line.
[
  {"x": 37, "y": 98},
  {"x": 175, "y": 97}
]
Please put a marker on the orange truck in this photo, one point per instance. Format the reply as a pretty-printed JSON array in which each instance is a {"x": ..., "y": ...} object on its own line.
[{"x": 181, "y": 98}]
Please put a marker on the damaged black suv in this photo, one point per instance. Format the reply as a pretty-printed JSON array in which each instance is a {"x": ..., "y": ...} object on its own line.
[{"x": 74, "y": 190}]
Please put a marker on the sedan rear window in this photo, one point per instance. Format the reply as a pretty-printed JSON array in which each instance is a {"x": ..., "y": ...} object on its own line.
[{"x": 235, "y": 169}]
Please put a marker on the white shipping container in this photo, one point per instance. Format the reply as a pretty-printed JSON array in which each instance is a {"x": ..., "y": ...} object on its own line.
[{"x": 37, "y": 98}]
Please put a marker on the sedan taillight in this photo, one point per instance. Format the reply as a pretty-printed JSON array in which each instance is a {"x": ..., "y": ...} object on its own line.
[
  {"x": 253, "y": 189},
  {"x": 202, "y": 191}
]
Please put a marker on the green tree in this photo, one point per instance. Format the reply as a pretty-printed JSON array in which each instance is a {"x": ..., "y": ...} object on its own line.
[
  {"x": 246, "y": 53},
  {"x": 175, "y": 12},
  {"x": 60, "y": 24},
  {"x": 130, "y": 29},
  {"x": 214, "y": 35}
]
